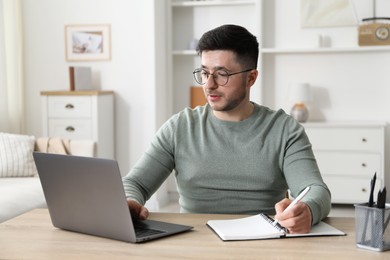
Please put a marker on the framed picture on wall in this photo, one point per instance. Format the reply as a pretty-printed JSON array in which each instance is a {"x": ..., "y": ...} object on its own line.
[
  {"x": 329, "y": 13},
  {"x": 87, "y": 42}
]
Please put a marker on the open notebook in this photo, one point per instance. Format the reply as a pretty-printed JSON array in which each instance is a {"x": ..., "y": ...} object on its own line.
[{"x": 260, "y": 227}]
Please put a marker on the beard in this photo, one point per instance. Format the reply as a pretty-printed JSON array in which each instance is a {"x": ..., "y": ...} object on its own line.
[{"x": 230, "y": 103}]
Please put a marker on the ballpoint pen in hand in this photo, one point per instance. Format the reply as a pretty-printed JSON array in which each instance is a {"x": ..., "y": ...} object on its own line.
[{"x": 295, "y": 201}]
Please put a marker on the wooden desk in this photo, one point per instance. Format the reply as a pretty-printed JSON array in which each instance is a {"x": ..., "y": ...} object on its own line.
[{"x": 32, "y": 236}]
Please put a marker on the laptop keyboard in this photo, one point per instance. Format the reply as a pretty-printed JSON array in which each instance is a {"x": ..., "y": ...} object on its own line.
[{"x": 142, "y": 232}]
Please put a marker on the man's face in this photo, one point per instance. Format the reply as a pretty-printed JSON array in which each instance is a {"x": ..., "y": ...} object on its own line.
[{"x": 230, "y": 96}]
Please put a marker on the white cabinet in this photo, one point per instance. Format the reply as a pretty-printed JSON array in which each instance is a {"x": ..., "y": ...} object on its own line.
[
  {"x": 348, "y": 155},
  {"x": 87, "y": 115}
]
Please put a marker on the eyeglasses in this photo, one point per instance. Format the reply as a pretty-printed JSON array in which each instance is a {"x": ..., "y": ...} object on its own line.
[{"x": 221, "y": 77}]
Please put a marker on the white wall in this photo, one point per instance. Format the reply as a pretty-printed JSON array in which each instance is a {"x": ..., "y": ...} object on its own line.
[
  {"x": 136, "y": 71},
  {"x": 131, "y": 72}
]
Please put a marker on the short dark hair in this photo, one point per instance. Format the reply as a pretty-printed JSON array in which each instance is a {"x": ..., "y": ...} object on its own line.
[{"x": 232, "y": 38}]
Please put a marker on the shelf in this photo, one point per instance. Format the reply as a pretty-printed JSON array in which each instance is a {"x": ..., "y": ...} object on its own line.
[
  {"x": 211, "y": 3},
  {"x": 324, "y": 50},
  {"x": 303, "y": 50},
  {"x": 185, "y": 52},
  {"x": 314, "y": 124}
]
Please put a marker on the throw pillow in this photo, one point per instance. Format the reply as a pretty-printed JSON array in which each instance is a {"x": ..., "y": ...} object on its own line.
[{"x": 16, "y": 158}]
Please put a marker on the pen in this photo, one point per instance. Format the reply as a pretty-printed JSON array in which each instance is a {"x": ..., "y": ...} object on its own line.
[
  {"x": 381, "y": 201},
  {"x": 295, "y": 201},
  {"x": 371, "y": 199}
]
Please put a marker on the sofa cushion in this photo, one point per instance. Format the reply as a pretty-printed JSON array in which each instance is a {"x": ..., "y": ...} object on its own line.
[{"x": 16, "y": 158}]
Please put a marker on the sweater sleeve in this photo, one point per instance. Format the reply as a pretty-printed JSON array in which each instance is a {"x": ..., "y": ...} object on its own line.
[
  {"x": 301, "y": 170},
  {"x": 153, "y": 168}
]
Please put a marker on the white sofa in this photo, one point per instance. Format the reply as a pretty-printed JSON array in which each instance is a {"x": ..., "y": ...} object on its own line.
[
  {"x": 19, "y": 195},
  {"x": 20, "y": 191}
]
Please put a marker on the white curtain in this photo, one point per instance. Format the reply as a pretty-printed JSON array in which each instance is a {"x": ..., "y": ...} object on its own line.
[{"x": 11, "y": 70}]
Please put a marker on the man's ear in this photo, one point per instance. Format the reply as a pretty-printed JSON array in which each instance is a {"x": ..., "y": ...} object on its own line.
[{"x": 252, "y": 76}]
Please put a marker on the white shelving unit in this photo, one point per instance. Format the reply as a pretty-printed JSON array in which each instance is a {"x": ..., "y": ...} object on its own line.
[
  {"x": 342, "y": 75},
  {"x": 349, "y": 83},
  {"x": 188, "y": 20}
]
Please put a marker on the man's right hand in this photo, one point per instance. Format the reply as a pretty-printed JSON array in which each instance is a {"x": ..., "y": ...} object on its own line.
[{"x": 137, "y": 210}]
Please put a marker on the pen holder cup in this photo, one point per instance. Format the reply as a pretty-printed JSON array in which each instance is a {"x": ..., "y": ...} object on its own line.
[{"x": 371, "y": 225}]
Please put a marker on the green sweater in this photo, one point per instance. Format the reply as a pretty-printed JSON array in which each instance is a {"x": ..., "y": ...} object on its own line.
[{"x": 231, "y": 167}]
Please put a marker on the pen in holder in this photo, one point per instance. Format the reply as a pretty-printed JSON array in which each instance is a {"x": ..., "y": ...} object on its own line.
[{"x": 371, "y": 226}]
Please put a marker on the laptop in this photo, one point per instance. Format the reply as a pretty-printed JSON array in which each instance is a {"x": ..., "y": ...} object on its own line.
[{"x": 86, "y": 195}]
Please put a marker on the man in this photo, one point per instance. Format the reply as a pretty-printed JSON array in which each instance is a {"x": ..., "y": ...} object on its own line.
[{"x": 232, "y": 155}]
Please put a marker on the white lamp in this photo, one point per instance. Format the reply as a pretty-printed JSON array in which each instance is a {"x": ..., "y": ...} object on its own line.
[{"x": 300, "y": 95}]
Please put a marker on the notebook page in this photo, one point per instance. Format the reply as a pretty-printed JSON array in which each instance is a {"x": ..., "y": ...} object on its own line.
[
  {"x": 253, "y": 227},
  {"x": 321, "y": 229}
]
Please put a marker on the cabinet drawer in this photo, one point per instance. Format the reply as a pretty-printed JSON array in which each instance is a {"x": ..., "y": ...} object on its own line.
[
  {"x": 351, "y": 139},
  {"x": 348, "y": 163},
  {"x": 69, "y": 107},
  {"x": 348, "y": 190},
  {"x": 71, "y": 128}
]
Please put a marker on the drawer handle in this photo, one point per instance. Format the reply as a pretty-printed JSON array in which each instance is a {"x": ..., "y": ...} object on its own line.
[
  {"x": 364, "y": 165},
  {"x": 364, "y": 140},
  {"x": 70, "y": 129},
  {"x": 364, "y": 190},
  {"x": 69, "y": 106}
]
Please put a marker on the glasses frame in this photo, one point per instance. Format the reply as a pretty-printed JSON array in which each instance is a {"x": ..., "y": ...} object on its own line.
[{"x": 214, "y": 76}]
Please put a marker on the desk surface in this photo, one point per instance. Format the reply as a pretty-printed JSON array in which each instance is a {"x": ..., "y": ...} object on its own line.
[{"x": 32, "y": 236}]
